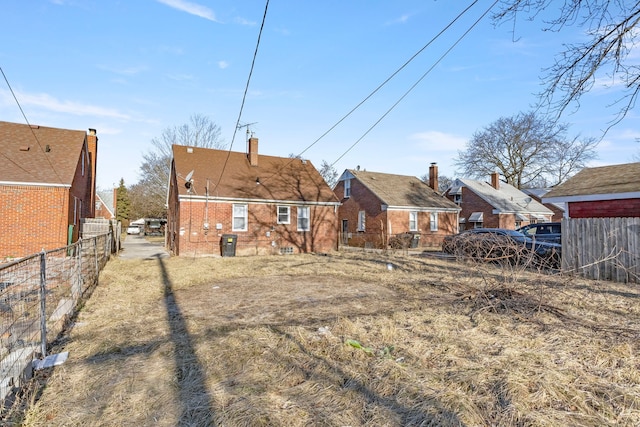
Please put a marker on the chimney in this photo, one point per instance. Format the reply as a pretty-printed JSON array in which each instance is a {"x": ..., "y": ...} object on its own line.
[
  {"x": 433, "y": 176},
  {"x": 495, "y": 180},
  {"x": 92, "y": 146},
  {"x": 253, "y": 151}
]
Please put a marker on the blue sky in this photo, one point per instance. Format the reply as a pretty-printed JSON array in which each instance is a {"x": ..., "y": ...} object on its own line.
[{"x": 132, "y": 68}]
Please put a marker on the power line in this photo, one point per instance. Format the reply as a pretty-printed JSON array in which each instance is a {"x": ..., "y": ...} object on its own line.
[
  {"x": 244, "y": 96},
  {"x": 387, "y": 80},
  {"x": 32, "y": 132},
  {"x": 417, "y": 82}
]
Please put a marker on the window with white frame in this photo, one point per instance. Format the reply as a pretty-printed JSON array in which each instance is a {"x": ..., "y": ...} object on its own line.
[
  {"x": 413, "y": 221},
  {"x": 347, "y": 188},
  {"x": 303, "y": 218},
  {"x": 284, "y": 215},
  {"x": 433, "y": 220},
  {"x": 239, "y": 218},
  {"x": 361, "y": 221}
]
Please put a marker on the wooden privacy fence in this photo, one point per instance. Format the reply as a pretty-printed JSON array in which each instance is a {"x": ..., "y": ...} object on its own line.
[{"x": 602, "y": 248}]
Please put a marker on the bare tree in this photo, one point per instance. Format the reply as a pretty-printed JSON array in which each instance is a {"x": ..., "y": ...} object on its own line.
[
  {"x": 150, "y": 193},
  {"x": 526, "y": 150},
  {"x": 329, "y": 173},
  {"x": 612, "y": 30}
]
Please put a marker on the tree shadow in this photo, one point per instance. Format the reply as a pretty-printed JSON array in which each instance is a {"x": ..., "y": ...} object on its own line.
[{"x": 195, "y": 399}]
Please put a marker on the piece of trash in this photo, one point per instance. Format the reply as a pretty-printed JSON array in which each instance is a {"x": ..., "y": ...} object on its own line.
[
  {"x": 324, "y": 330},
  {"x": 356, "y": 344},
  {"x": 389, "y": 266},
  {"x": 216, "y": 287}
]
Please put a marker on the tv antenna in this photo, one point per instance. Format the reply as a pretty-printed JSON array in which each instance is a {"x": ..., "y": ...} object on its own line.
[{"x": 246, "y": 125}]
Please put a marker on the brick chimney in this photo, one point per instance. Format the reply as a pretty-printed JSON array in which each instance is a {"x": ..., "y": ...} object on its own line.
[
  {"x": 92, "y": 146},
  {"x": 433, "y": 176},
  {"x": 495, "y": 180},
  {"x": 253, "y": 151}
]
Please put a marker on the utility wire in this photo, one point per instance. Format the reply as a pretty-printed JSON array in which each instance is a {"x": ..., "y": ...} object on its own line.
[
  {"x": 32, "y": 132},
  {"x": 388, "y": 79},
  {"x": 246, "y": 89},
  {"x": 417, "y": 82}
]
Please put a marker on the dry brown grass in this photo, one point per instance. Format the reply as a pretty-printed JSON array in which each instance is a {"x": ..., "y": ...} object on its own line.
[{"x": 275, "y": 341}]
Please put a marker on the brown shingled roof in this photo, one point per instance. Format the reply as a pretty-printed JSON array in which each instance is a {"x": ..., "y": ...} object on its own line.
[
  {"x": 280, "y": 178},
  {"x": 614, "y": 179},
  {"x": 402, "y": 190},
  {"x": 25, "y": 158}
]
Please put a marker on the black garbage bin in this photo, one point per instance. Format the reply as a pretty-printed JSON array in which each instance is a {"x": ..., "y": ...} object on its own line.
[{"x": 228, "y": 244}]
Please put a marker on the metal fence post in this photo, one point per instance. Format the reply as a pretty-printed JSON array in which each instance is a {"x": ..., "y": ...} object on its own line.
[{"x": 43, "y": 306}]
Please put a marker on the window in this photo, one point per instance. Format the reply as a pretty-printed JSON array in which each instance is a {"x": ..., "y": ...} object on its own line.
[
  {"x": 239, "y": 218},
  {"x": 413, "y": 221},
  {"x": 361, "y": 221},
  {"x": 82, "y": 156},
  {"x": 457, "y": 199},
  {"x": 303, "y": 218},
  {"x": 433, "y": 219},
  {"x": 347, "y": 188},
  {"x": 284, "y": 215}
]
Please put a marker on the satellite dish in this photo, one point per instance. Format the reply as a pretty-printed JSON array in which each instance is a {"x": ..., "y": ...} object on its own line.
[{"x": 188, "y": 177}]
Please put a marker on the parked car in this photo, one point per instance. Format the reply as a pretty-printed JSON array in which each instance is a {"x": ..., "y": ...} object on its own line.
[
  {"x": 497, "y": 244},
  {"x": 133, "y": 229},
  {"x": 543, "y": 231}
]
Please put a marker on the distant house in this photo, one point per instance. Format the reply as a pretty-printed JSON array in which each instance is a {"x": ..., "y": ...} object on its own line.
[
  {"x": 378, "y": 208},
  {"x": 495, "y": 204},
  {"x": 269, "y": 205},
  {"x": 600, "y": 192},
  {"x": 47, "y": 186},
  {"x": 105, "y": 205},
  {"x": 537, "y": 194}
]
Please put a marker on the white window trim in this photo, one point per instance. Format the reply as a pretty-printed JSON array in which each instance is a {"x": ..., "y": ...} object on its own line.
[
  {"x": 413, "y": 214},
  {"x": 362, "y": 220},
  {"x": 433, "y": 221},
  {"x": 288, "y": 209},
  {"x": 306, "y": 215},
  {"x": 245, "y": 217}
]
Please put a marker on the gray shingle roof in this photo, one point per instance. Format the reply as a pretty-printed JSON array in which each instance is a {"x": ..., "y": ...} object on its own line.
[
  {"x": 402, "y": 190},
  {"x": 507, "y": 199},
  {"x": 614, "y": 179}
]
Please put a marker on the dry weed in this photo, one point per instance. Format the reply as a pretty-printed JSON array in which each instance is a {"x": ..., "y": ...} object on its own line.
[{"x": 342, "y": 340}]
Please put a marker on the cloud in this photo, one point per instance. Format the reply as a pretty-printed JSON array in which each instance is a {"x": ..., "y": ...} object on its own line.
[
  {"x": 439, "y": 141},
  {"x": 401, "y": 20},
  {"x": 243, "y": 21},
  {"x": 191, "y": 8},
  {"x": 223, "y": 64},
  {"x": 50, "y": 103}
]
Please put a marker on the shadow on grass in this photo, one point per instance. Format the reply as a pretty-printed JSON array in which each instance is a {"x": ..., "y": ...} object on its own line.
[{"x": 195, "y": 399}]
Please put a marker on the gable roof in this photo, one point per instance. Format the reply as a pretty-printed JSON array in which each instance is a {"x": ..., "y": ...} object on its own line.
[
  {"x": 106, "y": 197},
  {"x": 273, "y": 179},
  {"x": 508, "y": 199},
  {"x": 25, "y": 159},
  {"x": 600, "y": 183},
  {"x": 402, "y": 190}
]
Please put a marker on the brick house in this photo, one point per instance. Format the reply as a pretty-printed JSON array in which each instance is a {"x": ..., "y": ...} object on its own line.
[
  {"x": 105, "y": 204},
  {"x": 272, "y": 205},
  {"x": 495, "y": 204},
  {"x": 377, "y": 208},
  {"x": 47, "y": 186},
  {"x": 601, "y": 192}
]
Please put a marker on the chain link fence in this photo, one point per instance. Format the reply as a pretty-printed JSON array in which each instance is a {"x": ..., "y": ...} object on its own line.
[{"x": 38, "y": 296}]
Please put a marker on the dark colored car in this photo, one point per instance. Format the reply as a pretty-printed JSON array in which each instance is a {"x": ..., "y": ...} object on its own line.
[
  {"x": 497, "y": 244},
  {"x": 543, "y": 231}
]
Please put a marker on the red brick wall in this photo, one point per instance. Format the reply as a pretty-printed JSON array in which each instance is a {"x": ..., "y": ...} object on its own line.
[
  {"x": 447, "y": 225},
  {"x": 362, "y": 199},
  {"x": 32, "y": 218},
  {"x": 263, "y": 235},
  {"x": 605, "y": 209}
]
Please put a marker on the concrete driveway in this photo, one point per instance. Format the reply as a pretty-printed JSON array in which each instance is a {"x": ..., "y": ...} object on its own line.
[{"x": 137, "y": 247}]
